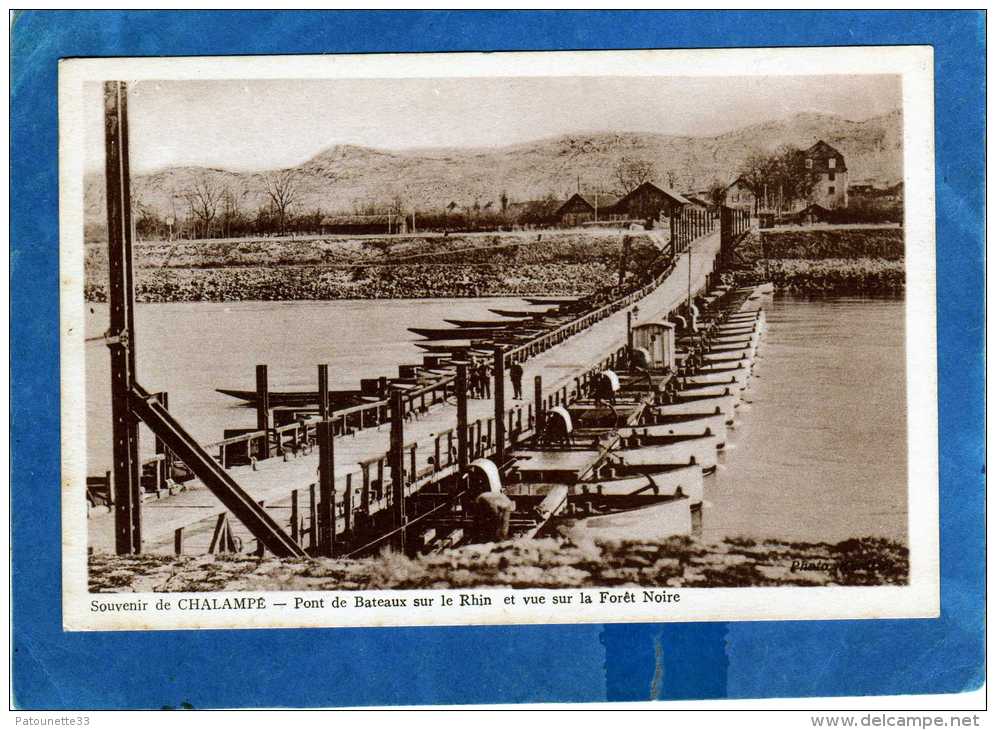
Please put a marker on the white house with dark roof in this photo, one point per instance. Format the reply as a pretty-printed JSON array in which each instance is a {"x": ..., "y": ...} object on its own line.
[{"x": 830, "y": 190}]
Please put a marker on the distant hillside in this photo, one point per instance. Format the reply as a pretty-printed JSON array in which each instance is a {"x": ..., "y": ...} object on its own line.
[{"x": 346, "y": 177}]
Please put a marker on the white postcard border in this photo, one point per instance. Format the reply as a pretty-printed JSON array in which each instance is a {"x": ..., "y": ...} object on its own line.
[{"x": 920, "y": 599}]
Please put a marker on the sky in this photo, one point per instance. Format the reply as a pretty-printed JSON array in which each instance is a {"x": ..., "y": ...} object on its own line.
[{"x": 267, "y": 124}]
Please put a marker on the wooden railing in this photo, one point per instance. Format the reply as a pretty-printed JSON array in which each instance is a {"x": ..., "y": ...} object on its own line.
[
  {"x": 691, "y": 224},
  {"x": 368, "y": 489}
]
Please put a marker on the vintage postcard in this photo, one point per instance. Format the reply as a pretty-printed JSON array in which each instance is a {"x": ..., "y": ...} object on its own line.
[{"x": 498, "y": 338}]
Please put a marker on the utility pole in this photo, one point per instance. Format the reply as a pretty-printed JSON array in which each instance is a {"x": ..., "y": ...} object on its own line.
[
  {"x": 689, "y": 281},
  {"x": 124, "y": 427}
]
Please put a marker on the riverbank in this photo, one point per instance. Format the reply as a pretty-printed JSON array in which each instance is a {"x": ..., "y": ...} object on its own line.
[
  {"x": 862, "y": 261},
  {"x": 862, "y": 276},
  {"x": 507, "y": 264},
  {"x": 549, "y": 563}
]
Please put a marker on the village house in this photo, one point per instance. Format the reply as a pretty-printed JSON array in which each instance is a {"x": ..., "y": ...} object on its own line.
[
  {"x": 575, "y": 211},
  {"x": 739, "y": 196},
  {"x": 827, "y": 164}
]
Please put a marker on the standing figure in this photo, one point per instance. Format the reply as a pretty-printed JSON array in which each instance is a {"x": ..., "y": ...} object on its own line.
[
  {"x": 484, "y": 374},
  {"x": 516, "y": 374}
]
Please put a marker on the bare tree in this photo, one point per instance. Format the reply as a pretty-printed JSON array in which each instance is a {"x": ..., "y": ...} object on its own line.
[
  {"x": 204, "y": 199},
  {"x": 717, "y": 193},
  {"x": 756, "y": 173},
  {"x": 781, "y": 176},
  {"x": 793, "y": 181},
  {"x": 672, "y": 178},
  {"x": 632, "y": 173},
  {"x": 283, "y": 189},
  {"x": 232, "y": 199}
]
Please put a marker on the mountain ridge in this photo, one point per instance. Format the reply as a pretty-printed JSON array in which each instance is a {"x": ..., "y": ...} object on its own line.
[{"x": 345, "y": 177}]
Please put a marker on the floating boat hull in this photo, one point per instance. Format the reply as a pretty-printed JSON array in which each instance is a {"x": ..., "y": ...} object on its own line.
[
  {"x": 686, "y": 405},
  {"x": 679, "y": 481},
  {"x": 657, "y": 521},
  {"x": 692, "y": 424},
  {"x": 706, "y": 389},
  {"x": 523, "y": 313},
  {"x": 489, "y": 323},
  {"x": 735, "y": 377},
  {"x": 737, "y": 355},
  {"x": 338, "y": 399},
  {"x": 700, "y": 450},
  {"x": 453, "y": 333}
]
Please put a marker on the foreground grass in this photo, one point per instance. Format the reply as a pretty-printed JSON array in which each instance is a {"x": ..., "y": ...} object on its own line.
[{"x": 549, "y": 563}]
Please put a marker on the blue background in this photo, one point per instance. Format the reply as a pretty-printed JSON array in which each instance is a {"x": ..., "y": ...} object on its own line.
[{"x": 53, "y": 669}]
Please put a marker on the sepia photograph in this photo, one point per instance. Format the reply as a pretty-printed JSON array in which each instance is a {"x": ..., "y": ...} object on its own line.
[{"x": 578, "y": 328}]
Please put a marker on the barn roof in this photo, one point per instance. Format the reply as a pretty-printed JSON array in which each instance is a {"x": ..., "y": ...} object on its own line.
[
  {"x": 675, "y": 196},
  {"x": 575, "y": 203}
]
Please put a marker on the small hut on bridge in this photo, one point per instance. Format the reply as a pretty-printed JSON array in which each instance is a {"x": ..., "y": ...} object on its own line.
[{"x": 648, "y": 202}]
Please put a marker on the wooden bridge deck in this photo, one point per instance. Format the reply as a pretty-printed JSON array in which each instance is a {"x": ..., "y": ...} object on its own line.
[{"x": 273, "y": 480}]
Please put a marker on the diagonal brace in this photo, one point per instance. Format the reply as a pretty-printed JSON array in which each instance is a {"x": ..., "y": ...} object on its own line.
[{"x": 263, "y": 527}]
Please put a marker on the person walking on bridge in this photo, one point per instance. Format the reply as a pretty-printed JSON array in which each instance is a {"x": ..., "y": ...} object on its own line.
[
  {"x": 516, "y": 374},
  {"x": 484, "y": 375}
]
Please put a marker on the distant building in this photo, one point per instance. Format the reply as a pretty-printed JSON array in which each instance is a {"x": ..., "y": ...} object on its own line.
[
  {"x": 739, "y": 196},
  {"x": 576, "y": 211},
  {"x": 533, "y": 212},
  {"x": 812, "y": 213},
  {"x": 830, "y": 190},
  {"x": 863, "y": 187},
  {"x": 647, "y": 202},
  {"x": 698, "y": 200}
]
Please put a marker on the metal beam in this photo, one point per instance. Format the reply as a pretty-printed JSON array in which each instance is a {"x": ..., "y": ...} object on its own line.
[
  {"x": 121, "y": 334},
  {"x": 538, "y": 403},
  {"x": 397, "y": 462},
  {"x": 235, "y": 499},
  {"x": 263, "y": 409},
  {"x": 500, "y": 415},
  {"x": 323, "y": 392},
  {"x": 326, "y": 489},
  {"x": 461, "y": 399}
]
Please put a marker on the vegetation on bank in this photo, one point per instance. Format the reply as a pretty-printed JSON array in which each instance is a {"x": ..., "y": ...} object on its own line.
[
  {"x": 827, "y": 243},
  {"x": 319, "y": 283},
  {"x": 829, "y": 276},
  {"x": 578, "y": 262},
  {"x": 548, "y": 563},
  {"x": 826, "y": 261}
]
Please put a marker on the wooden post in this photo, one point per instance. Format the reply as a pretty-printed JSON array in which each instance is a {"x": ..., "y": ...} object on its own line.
[
  {"x": 629, "y": 330},
  {"x": 326, "y": 489},
  {"x": 263, "y": 409},
  {"x": 499, "y": 405},
  {"x": 295, "y": 518},
  {"x": 538, "y": 399},
  {"x": 121, "y": 292},
  {"x": 348, "y": 505},
  {"x": 461, "y": 396},
  {"x": 313, "y": 511},
  {"x": 166, "y": 465},
  {"x": 398, "y": 468},
  {"x": 323, "y": 392},
  {"x": 178, "y": 541}
]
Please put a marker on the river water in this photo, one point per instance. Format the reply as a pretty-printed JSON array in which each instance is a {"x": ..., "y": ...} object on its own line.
[{"x": 818, "y": 453}]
